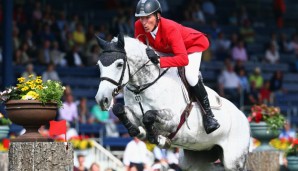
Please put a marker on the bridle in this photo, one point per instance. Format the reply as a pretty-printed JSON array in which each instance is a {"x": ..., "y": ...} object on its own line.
[{"x": 120, "y": 86}]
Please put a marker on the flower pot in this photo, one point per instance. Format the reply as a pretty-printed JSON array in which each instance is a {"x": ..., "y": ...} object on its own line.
[
  {"x": 4, "y": 130},
  {"x": 262, "y": 132},
  {"x": 31, "y": 114},
  {"x": 292, "y": 162}
]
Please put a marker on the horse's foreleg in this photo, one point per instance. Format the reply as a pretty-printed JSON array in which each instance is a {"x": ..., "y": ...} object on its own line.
[
  {"x": 121, "y": 112},
  {"x": 152, "y": 136}
]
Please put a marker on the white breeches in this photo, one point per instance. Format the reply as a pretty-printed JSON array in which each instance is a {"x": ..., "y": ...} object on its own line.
[{"x": 193, "y": 67}]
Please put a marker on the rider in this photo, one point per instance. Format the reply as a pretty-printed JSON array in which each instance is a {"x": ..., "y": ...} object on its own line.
[{"x": 184, "y": 43}]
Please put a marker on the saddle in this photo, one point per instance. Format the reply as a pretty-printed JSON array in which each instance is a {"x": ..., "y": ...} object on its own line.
[{"x": 214, "y": 98}]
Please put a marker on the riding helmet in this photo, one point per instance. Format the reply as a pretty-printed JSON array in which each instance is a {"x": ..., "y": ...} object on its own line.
[{"x": 147, "y": 7}]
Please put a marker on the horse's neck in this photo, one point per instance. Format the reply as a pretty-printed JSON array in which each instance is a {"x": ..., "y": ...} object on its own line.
[{"x": 144, "y": 75}]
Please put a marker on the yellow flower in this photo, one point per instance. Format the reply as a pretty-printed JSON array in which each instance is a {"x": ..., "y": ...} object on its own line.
[
  {"x": 32, "y": 86},
  {"x": 39, "y": 87},
  {"x": 31, "y": 76},
  {"x": 38, "y": 77},
  {"x": 21, "y": 79},
  {"x": 25, "y": 88},
  {"x": 38, "y": 81}
]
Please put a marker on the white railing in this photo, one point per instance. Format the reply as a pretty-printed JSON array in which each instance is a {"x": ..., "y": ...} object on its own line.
[{"x": 106, "y": 158}]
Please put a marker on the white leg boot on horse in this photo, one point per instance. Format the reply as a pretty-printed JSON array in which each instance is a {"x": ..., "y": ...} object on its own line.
[{"x": 210, "y": 124}]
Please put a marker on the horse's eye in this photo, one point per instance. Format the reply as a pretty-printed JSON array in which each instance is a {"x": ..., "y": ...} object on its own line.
[{"x": 120, "y": 65}]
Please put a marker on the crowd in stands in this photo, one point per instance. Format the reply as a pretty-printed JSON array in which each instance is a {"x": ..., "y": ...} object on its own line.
[{"x": 44, "y": 35}]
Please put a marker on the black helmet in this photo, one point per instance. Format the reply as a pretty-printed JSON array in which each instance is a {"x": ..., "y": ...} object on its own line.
[{"x": 147, "y": 7}]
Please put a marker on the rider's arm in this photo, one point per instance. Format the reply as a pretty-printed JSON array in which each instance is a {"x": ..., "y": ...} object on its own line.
[{"x": 175, "y": 41}]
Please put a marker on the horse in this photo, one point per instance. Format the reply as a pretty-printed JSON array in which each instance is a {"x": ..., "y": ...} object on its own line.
[{"x": 155, "y": 99}]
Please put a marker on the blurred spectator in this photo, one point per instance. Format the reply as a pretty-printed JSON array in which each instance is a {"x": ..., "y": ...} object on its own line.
[
  {"x": 229, "y": 84},
  {"x": 15, "y": 38},
  {"x": 283, "y": 43},
  {"x": 44, "y": 53},
  {"x": 276, "y": 82},
  {"x": 208, "y": 7},
  {"x": 74, "y": 22},
  {"x": 243, "y": 15},
  {"x": 239, "y": 65},
  {"x": 279, "y": 8},
  {"x": 29, "y": 39},
  {"x": 50, "y": 73},
  {"x": 233, "y": 19},
  {"x": 222, "y": 45},
  {"x": 197, "y": 14},
  {"x": 57, "y": 56},
  {"x": 244, "y": 83},
  {"x": 94, "y": 167},
  {"x": 293, "y": 46},
  {"x": 173, "y": 158},
  {"x": 67, "y": 91},
  {"x": 257, "y": 78},
  {"x": 93, "y": 57},
  {"x": 239, "y": 52},
  {"x": 29, "y": 71},
  {"x": 74, "y": 57},
  {"x": 247, "y": 32},
  {"x": 22, "y": 56},
  {"x": 81, "y": 160},
  {"x": 99, "y": 115},
  {"x": 272, "y": 54},
  {"x": 265, "y": 94},
  {"x": 288, "y": 132},
  {"x": 69, "y": 110},
  {"x": 84, "y": 115},
  {"x": 37, "y": 13},
  {"x": 61, "y": 21},
  {"x": 46, "y": 34},
  {"x": 79, "y": 35},
  {"x": 274, "y": 41},
  {"x": 135, "y": 155},
  {"x": 253, "y": 96}
]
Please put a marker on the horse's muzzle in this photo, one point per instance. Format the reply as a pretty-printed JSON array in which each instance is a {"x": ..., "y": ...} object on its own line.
[{"x": 104, "y": 104}]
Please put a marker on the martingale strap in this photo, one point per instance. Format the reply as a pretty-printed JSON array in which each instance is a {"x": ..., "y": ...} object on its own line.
[{"x": 183, "y": 118}]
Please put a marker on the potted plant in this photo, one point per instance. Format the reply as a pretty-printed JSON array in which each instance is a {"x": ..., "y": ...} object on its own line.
[
  {"x": 32, "y": 103},
  {"x": 265, "y": 124},
  {"x": 292, "y": 155}
]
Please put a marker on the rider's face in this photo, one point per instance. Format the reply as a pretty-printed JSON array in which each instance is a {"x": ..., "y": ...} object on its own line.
[{"x": 148, "y": 22}]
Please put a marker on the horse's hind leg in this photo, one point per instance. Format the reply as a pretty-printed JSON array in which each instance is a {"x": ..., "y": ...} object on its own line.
[
  {"x": 121, "y": 112},
  {"x": 234, "y": 163}
]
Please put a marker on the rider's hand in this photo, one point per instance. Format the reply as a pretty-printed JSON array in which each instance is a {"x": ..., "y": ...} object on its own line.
[{"x": 152, "y": 55}]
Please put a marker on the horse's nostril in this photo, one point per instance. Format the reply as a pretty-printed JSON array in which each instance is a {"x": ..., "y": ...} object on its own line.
[{"x": 106, "y": 100}]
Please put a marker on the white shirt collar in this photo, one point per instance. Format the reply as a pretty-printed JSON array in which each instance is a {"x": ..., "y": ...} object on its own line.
[{"x": 154, "y": 32}]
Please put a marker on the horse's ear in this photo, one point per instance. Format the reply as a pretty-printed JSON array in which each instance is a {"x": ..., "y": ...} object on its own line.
[
  {"x": 121, "y": 40},
  {"x": 102, "y": 43}
]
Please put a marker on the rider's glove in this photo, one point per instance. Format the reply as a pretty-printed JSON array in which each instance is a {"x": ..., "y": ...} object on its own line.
[{"x": 152, "y": 55}]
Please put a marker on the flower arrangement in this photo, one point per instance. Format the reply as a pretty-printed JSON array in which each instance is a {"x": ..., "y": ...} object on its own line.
[
  {"x": 81, "y": 143},
  {"x": 34, "y": 89},
  {"x": 271, "y": 115},
  {"x": 288, "y": 145}
]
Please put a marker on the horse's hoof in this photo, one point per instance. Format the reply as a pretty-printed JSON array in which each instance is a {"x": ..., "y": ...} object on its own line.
[
  {"x": 143, "y": 134},
  {"x": 164, "y": 142},
  {"x": 133, "y": 132}
]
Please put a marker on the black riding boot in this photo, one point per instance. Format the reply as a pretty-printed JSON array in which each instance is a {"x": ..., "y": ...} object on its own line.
[{"x": 210, "y": 124}]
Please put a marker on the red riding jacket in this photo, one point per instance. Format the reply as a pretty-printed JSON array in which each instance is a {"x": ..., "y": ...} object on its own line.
[{"x": 173, "y": 38}]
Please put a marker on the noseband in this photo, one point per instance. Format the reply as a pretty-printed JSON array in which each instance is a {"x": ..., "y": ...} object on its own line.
[{"x": 118, "y": 83}]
